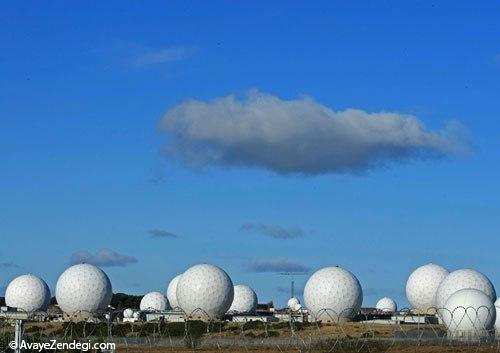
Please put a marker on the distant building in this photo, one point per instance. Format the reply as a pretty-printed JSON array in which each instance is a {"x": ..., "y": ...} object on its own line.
[
  {"x": 167, "y": 316},
  {"x": 251, "y": 318},
  {"x": 265, "y": 308},
  {"x": 288, "y": 315},
  {"x": 12, "y": 314}
]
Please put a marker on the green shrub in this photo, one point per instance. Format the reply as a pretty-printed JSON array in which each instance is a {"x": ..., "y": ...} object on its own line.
[
  {"x": 253, "y": 325},
  {"x": 197, "y": 328},
  {"x": 175, "y": 329},
  {"x": 85, "y": 329}
]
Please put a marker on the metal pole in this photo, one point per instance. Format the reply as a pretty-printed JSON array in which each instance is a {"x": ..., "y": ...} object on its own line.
[{"x": 18, "y": 335}]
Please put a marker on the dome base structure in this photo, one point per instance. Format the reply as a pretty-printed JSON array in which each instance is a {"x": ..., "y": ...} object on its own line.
[
  {"x": 201, "y": 315},
  {"x": 81, "y": 316},
  {"x": 327, "y": 316},
  {"x": 472, "y": 336},
  {"x": 425, "y": 312}
]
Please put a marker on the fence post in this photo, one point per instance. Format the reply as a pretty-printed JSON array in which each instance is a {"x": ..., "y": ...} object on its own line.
[{"x": 18, "y": 336}]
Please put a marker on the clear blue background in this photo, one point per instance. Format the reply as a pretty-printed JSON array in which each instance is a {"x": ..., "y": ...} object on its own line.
[{"x": 80, "y": 167}]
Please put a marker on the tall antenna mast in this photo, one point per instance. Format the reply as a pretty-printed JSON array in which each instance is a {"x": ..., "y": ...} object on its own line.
[{"x": 292, "y": 275}]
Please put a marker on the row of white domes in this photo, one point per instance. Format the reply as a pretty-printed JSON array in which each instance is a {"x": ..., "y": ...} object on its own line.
[
  {"x": 82, "y": 287},
  {"x": 330, "y": 294},
  {"x": 204, "y": 288},
  {"x": 86, "y": 288},
  {"x": 465, "y": 298}
]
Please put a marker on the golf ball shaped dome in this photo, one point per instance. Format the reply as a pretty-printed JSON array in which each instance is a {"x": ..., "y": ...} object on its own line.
[
  {"x": 205, "y": 290},
  {"x": 386, "y": 305},
  {"x": 462, "y": 279},
  {"x": 468, "y": 312},
  {"x": 245, "y": 299},
  {"x": 333, "y": 294},
  {"x": 154, "y": 301},
  {"x": 172, "y": 292},
  {"x": 27, "y": 293},
  {"x": 293, "y": 304},
  {"x": 422, "y": 285},
  {"x": 83, "y": 288},
  {"x": 128, "y": 313},
  {"x": 497, "y": 309}
]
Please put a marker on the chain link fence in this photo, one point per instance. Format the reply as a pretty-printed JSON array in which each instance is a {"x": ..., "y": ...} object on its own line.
[{"x": 401, "y": 332}]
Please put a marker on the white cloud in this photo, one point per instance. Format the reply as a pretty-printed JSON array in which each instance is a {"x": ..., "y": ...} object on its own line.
[{"x": 299, "y": 136}]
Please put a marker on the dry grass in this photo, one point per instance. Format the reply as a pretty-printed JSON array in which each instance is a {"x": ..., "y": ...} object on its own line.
[{"x": 346, "y": 337}]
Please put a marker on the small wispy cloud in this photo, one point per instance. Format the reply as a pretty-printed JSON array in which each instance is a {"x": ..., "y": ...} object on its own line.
[
  {"x": 104, "y": 258},
  {"x": 161, "y": 233},
  {"x": 8, "y": 264},
  {"x": 276, "y": 265},
  {"x": 163, "y": 56},
  {"x": 273, "y": 231}
]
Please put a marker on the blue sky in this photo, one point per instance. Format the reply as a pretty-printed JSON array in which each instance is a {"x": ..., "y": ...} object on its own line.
[{"x": 88, "y": 103}]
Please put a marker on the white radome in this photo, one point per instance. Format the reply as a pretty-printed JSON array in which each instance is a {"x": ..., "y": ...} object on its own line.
[
  {"x": 333, "y": 294},
  {"x": 422, "y": 285},
  {"x": 172, "y": 292},
  {"x": 128, "y": 313},
  {"x": 244, "y": 301},
  {"x": 205, "y": 290},
  {"x": 497, "y": 309},
  {"x": 83, "y": 288},
  {"x": 27, "y": 293},
  {"x": 462, "y": 279},
  {"x": 136, "y": 315},
  {"x": 154, "y": 301},
  {"x": 293, "y": 304},
  {"x": 386, "y": 305},
  {"x": 468, "y": 312}
]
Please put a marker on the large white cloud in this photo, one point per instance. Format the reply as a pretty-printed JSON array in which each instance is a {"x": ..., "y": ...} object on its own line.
[{"x": 299, "y": 136}]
